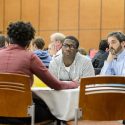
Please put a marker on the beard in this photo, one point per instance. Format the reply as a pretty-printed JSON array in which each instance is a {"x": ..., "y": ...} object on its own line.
[{"x": 115, "y": 51}]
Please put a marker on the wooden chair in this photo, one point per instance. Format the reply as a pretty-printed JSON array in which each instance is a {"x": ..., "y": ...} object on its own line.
[
  {"x": 101, "y": 101},
  {"x": 16, "y": 96}
]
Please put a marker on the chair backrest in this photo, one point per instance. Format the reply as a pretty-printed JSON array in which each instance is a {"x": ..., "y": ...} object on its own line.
[
  {"x": 15, "y": 95},
  {"x": 102, "y": 98}
]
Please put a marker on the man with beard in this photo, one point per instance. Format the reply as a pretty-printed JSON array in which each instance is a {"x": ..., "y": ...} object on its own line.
[
  {"x": 115, "y": 63},
  {"x": 71, "y": 65}
]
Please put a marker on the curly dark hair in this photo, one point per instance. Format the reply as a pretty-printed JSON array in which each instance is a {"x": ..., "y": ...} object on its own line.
[{"x": 20, "y": 33}]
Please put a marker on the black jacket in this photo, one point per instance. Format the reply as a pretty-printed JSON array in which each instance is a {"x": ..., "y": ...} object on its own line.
[{"x": 98, "y": 60}]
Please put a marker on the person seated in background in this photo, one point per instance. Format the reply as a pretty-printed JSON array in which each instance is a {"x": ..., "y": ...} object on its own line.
[
  {"x": 37, "y": 47},
  {"x": 71, "y": 65},
  {"x": 100, "y": 56},
  {"x": 91, "y": 53},
  {"x": 17, "y": 59},
  {"x": 6, "y": 41},
  {"x": 51, "y": 49},
  {"x": 115, "y": 63},
  {"x": 2, "y": 41},
  {"x": 82, "y": 51},
  {"x": 57, "y": 39}
]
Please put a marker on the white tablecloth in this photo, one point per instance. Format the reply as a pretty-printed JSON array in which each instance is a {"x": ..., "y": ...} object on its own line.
[{"x": 61, "y": 103}]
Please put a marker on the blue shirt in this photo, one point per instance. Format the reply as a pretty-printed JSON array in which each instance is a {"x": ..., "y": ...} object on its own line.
[
  {"x": 44, "y": 56},
  {"x": 115, "y": 67}
]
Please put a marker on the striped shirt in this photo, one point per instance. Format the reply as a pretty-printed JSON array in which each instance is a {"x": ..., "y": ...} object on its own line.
[{"x": 81, "y": 67}]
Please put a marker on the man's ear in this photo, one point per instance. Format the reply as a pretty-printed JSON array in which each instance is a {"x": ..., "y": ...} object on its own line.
[{"x": 123, "y": 43}]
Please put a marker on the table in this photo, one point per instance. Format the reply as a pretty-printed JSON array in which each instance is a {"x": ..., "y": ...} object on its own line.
[{"x": 61, "y": 103}]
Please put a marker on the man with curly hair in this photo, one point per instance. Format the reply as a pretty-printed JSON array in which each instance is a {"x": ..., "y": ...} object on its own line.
[{"x": 17, "y": 59}]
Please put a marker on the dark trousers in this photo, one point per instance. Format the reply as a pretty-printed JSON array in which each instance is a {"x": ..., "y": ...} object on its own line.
[{"x": 42, "y": 113}]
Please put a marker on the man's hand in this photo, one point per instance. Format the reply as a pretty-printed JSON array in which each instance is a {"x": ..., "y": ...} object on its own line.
[{"x": 111, "y": 55}]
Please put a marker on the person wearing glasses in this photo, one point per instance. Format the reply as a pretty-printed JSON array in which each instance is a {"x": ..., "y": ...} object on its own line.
[{"x": 71, "y": 65}]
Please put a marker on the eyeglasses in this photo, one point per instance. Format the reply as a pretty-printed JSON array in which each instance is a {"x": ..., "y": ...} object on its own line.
[{"x": 71, "y": 46}]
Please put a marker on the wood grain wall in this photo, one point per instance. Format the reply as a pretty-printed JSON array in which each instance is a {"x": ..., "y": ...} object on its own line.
[{"x": 88, "y": 20}]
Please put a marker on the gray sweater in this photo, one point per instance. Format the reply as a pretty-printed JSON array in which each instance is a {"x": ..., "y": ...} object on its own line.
[{"x": 81, "y": 67}]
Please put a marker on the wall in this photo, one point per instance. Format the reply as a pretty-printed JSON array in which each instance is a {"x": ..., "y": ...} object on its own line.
[{"x": 88, "y": 20}]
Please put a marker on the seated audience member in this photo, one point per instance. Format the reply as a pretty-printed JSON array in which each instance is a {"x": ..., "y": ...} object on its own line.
[
  {"x": 57, "y": 39},
  {"x": 17, "y": 59},
  {"x": 2, "y": 41},
  {"x": 37, "y": 46},
  {"x": 100, "y": 56},
  {"x": 115, "y": 63},
  {"x": 91, "y": 53},
  {"x": 82, "y": 51},
  {"x": 6, "y": 41},
  {"x": 71, "y": 65},
  {"x": 51, "y": 49}
]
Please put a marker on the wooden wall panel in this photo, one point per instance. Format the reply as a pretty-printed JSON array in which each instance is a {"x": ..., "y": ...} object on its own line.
[
  {"x": 46, "y": 36},
  {"x": 1, "y": 15},
  {"x": 112, "y": 14},
  {"x": 90, "y": 14},
  {"x": 68, "y": 14},
  {"x": 89, "y": 39},
  {"x": 88, "y": 20},
  {"x": 30, "y": 12},
  {"x": 70, "y": 33},
  {"x": 12, "y": 11},
  {"x": 48, "y": 15},
  {"x": 104, "y": 33}
]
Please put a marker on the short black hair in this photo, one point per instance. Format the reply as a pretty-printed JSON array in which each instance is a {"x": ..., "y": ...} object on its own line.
[
  {"x": 20, "y": 33},
  {"x": 39, "y": 42},
  {"x": 103, "y": 44},
  {"x": 74, "y": 39},
  {"x": 119, "y": 35}
]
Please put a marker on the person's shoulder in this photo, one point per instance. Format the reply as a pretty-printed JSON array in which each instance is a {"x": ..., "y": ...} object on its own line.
[
  {"x": 30, "y": 54},
  {"x": 56, "y": 60},
  {"x": 82, "y": 57},
  {"x": 57, "y": 57},
  {"x": 58, "y": 53}
]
